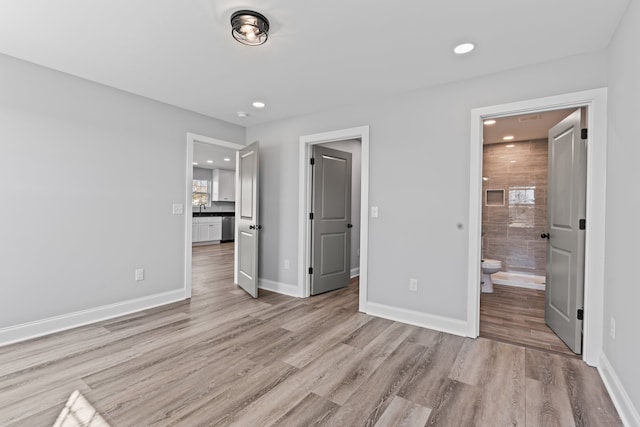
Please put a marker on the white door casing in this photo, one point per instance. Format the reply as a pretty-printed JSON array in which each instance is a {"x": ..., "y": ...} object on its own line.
[
  {"x": 304, "y": 232},
  {"x": 596, "y": 102}
]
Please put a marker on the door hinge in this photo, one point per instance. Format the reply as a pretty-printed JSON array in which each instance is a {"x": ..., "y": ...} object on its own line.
[
  {"x": 312, "y": 161},
  {"x": 584, "y": 133},
  {"x": 580, "y": 314},
  {"x": 310, "y": 270},
  {"x": 582, "y": 224},
  {"x": 311, "y": 215}
]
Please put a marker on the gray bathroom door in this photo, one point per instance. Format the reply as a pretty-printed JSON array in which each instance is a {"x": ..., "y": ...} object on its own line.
[
  {"x": 566, "y": 206},
  {"x": 248, "y": 225},
  {"x": 331, "y": 223}
]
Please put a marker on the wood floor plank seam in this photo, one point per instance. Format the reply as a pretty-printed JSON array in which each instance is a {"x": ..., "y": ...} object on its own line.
[{"x": 223, "y": 358}]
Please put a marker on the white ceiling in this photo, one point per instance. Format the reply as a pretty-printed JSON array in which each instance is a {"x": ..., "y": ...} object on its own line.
[
  {"x": 523, "y": 127},
  {"x": 205, "y": 153},
  {"x": 320, "y": 54}
]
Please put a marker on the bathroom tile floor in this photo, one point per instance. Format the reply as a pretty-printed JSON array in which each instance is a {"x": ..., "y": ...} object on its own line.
[{"x": 516, "y": 315}]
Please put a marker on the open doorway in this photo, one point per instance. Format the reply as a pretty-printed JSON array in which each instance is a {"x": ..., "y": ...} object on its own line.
[
  {"x": 210, "y": 209},
  {"x": 595, "y": 102},
  {"x": 517, "y": 189},
  {"x": 343, "y": 138}
]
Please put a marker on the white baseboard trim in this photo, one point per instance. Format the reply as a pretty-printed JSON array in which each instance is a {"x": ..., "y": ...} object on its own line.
[
  {"x": 281, "y": 288},
  {"x": 416, "y": 318},
  {"x": 355, "y": 272},
  {"x": 628, "y": 413},
  {"x": 38, "y": 328}
]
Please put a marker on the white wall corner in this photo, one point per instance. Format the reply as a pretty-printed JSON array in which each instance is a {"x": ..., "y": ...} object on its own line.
[
  {"x": 38, "y": 328},
  {"x": 416, "y": 318},
  {"x": 628, "y": 413},
  {"x": 280, "y": 288}
]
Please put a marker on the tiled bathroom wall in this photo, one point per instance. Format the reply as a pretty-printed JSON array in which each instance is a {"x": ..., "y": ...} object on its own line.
[{"x": 514, "y": 211}]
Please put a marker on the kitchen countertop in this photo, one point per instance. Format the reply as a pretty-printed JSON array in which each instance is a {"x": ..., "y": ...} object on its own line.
[{"x": 197, "y": 214}]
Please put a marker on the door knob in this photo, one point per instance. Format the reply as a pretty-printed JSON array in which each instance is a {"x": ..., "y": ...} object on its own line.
[
  {"x": 252, "y": 227},
  {"x": 544, "y": 235},
  {"x": 258, "y": 227},
  {"x": 349, "y": 225}
]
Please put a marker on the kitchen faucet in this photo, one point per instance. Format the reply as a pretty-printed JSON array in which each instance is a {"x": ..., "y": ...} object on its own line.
[{"x": 200, "y": 206}]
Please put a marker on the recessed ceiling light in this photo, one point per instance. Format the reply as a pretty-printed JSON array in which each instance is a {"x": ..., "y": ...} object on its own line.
[
  {"x": 242, "y": 114},
  {"x": 485, "y": 178},
  {"x": 259, "y": 104},
  {"x": 510, "y": 145},
  {"x": 226, "y": 159},
  {"x": 508, "y": 137},
  {"x": 209, "y": 161},
  {"x": 463, "y": 48},
  {"x": 490, "y": 122},
  {"x": 195, "y": 163},
  {"x": 512, "y": 161}
]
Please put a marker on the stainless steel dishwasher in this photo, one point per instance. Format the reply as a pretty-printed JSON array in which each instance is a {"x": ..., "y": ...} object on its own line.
[{"x": 228, "y": 228}]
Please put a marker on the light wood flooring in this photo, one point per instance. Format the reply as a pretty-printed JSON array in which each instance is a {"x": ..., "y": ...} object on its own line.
[
  {"x": 516, "y": 315},
  {"x": 226, "y": 359}
]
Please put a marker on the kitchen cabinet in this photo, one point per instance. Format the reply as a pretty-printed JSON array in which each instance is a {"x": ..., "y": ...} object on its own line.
[
  {"x": 223, "y": 187},
  {"x": 206, "y": 229}
]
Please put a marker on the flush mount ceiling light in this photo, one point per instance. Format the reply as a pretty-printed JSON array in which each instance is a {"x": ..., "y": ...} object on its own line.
[
  {"x": 508, "y": 137},
  {"x": 489, "y": 122},
  {"x": 463, "y": 48},
  {"x": 209, "y": 161},
  {"x": 242, "y": 114},
  {"x": 226, "y": 159},
  {"x": 249, "y": 27},
  {"x": 258, "y": 104}
]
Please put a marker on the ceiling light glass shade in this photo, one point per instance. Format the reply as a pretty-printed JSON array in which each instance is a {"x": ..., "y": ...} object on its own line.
[{"x": 250, "y": 28}]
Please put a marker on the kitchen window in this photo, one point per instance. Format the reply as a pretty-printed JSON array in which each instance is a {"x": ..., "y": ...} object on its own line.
[{"x": 201, "y": 192}]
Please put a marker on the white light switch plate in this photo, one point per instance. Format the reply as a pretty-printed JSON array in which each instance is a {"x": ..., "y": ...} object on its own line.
[
  {"x": 178, "y": 209},
  {"x": 374, "y": 212}
]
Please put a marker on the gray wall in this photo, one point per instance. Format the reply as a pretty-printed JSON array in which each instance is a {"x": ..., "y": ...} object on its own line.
[
  {"x": 354, "y": 147},
  {"x": 88, "y": 175},
  {"x": 622, "y": 292},
  {"x": 419, "y": 164}
]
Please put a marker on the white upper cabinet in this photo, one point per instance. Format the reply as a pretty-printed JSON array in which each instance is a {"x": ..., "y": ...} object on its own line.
[{"x": 224, "y": 186}]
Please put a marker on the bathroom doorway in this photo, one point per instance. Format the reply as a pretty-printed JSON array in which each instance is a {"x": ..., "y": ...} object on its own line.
[
  {"x": 514, "y": 217},
  {"x": 531, "y": 224},
  {"x": 595, "y": 101}
]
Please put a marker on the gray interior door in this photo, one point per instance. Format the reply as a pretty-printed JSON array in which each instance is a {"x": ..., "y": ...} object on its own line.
[
  {"x": 331, "y": 224},
  {"x": 566, "y": 205},
  {"x": 247, "y": 214}
]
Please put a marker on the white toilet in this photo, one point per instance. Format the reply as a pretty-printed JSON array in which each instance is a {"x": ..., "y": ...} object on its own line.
[{"x": 489, "y": 266}]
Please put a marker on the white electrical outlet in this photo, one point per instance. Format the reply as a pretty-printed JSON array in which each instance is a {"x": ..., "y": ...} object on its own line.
[
  {"x": 286, "y": 264},
  {"x": 139, "y": 274},
  {"x": 413, "y": 285},
  {"x": 374, "y": 212},
  {"x": 612, "y": 332}
]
